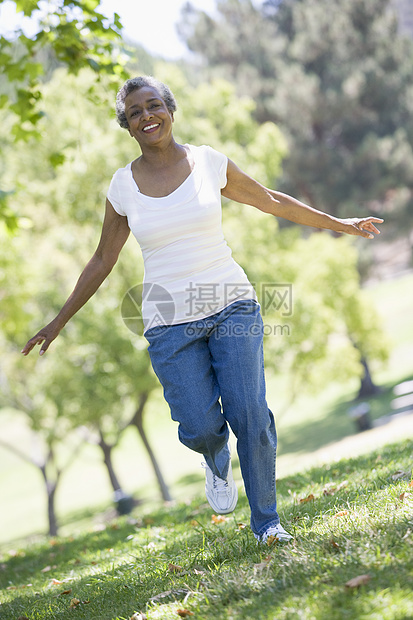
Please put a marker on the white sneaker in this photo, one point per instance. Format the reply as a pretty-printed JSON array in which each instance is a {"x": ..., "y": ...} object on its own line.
[
  {"x": 274, "y": 533},
  {"x": 222, "y": 495}
]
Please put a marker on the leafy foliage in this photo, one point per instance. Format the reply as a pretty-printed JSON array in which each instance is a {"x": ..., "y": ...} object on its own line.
[
  {"x": 70, "y": 33},
  {"x": 77, "y": 35},
  {"x": 337, "y": 78}
]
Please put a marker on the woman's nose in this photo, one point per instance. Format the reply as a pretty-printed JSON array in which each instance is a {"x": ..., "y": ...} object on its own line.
[{"x": 146, "y": 113}]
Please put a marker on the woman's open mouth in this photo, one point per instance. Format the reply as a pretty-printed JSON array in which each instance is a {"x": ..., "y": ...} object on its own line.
[{"x": 150, "y": 128}]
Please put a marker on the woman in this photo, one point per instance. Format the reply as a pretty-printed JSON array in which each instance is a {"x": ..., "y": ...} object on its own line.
[{"x": 208, "y": 356}]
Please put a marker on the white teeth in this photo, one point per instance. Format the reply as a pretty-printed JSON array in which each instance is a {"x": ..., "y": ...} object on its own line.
[{"x": 149, "y": 127}]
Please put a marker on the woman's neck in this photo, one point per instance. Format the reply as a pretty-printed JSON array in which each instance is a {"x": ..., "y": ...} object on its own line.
[{"x": 162, "y": 156}]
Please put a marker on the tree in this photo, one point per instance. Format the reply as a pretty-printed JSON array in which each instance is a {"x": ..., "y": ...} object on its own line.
[
  {"x": 111, "y": 380},
  {"x": 76, "y": 34},
  {"x": 54, "y": 445},
  {"x": 70, "y": 33},
  {"x": 336, "y": 77}
]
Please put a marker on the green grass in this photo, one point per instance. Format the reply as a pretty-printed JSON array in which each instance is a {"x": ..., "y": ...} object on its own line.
[{"x": 360, "y": 522}]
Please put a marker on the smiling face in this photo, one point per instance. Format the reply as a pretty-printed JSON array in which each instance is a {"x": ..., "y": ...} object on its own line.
[{"x": 149, "y": 119}]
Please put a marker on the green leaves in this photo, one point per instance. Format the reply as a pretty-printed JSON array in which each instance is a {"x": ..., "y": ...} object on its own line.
[
  {"x": 9, "y": 218},
  {"x": 72, "y": 33},
  {"x": 336, "y": 77},
  {"x": 77, "y": 39},
  {"x": 27, "y": 6}
]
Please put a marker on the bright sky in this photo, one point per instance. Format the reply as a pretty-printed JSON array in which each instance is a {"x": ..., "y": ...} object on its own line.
[{"x": 150, "y": 23}]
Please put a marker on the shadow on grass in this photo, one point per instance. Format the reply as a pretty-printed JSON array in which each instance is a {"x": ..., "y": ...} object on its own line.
[{"x": 337, "y": 424}]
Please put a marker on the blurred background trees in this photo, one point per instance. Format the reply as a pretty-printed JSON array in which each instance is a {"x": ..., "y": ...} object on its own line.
[{"x": 336, "y": 76}]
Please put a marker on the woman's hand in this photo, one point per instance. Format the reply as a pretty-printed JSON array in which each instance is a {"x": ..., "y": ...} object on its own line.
[
  {"x": 45, "y": 336},
  {"x": 115, "y": 232},
  {"x": 362, "y": 226}
]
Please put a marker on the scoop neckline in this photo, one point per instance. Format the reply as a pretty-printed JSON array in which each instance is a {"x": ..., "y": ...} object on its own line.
[{"x": 168, "y": 196}]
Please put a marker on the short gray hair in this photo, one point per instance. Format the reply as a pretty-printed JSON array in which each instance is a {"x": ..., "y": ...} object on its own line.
[{"x": 141, "y": 82}]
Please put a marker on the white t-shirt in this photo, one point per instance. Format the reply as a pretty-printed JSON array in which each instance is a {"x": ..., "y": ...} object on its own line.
[{"x": 189, "y": 270}]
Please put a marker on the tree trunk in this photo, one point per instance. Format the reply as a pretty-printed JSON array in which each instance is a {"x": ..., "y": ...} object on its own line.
[
  {"x": 137, "y": 421},
  {"x": 107, "y": 459},
  {"x": 367, "y": 386},
  {"x": 51, "y": 512},
  {"x": 124, "y": 502},
  {"x": 51, "y": 487}
]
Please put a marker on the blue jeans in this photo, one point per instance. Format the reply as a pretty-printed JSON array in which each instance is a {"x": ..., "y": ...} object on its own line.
[{"x": 220, "y": 358}]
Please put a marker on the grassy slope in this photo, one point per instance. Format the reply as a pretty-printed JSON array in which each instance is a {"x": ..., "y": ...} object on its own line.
[{"x": 359, "y": 522}]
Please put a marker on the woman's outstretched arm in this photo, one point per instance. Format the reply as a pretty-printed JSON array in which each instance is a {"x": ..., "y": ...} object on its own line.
[
  {"x": 115, "y": 231},
  {"x": 242, "y": 188}
]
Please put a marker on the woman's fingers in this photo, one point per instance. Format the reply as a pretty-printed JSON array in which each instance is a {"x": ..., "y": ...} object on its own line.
[
  {"x": 41, "y": 339},
  {"x": 366, "y": 225},
  {"x": 32, "y": 343}
]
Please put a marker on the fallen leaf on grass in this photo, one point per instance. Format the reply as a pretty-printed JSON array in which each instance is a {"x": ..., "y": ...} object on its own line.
[
  {"x": 22, "y": 618},
  {"x": 16, "y": 554},
  {"x": 241, "y": 526},
  {"x": 181, "y": 593},
  {"x": 184, "y": 613},
  {"x": 356, "y": 582},
  {"x": 331, "y": 490},
  {"x": 334, "y": 544},
  {"x": 218, "y": 519},
  {"x": 342, "y": 513},
  {"x": 403, "y": 496},
  {"x": 258, "y": 568},
  {"x": 309, "y": 498},
  {"x": 193, "y": 523},
  {"x": 175, "y": 568},
  {"x": 75, "y": 602},
  {"x": 65, "y": 592},
  {"x": 400, "y": 474},
  {"x": 411, "y": 484}
]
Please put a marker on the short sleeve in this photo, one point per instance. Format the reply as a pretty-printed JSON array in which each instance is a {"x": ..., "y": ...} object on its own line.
[
  {"x": 113, "y": 195},
  {"x": 219, "y": 161}
]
